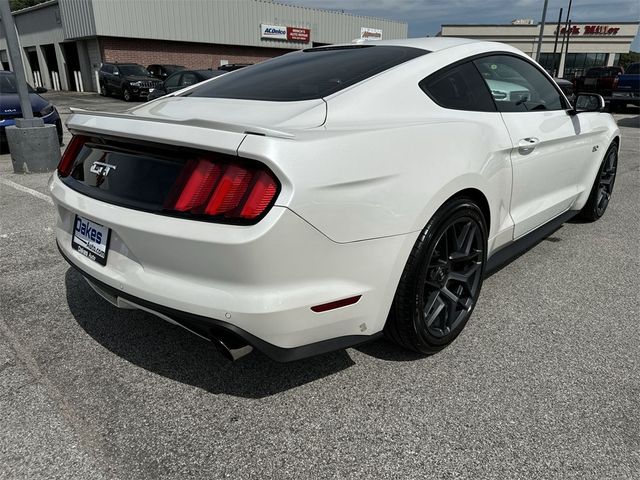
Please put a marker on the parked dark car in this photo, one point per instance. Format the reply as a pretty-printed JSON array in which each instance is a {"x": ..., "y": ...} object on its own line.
[
  {"x": 130, "y": 80},
  {"x": 230, "y": 67},
  {"x": 10, "y": 107},
  {"x": 626, "y": 88},
  {"x": 598, "y": 80},
  {"x": 183, "y": 79},
  {"x": 163, "y": 71},
  {"x": 567, "y": 87}
]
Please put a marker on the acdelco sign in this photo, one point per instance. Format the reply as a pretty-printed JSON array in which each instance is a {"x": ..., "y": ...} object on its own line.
[
  {"x": 273, "y": 31},
  {"x": 280, "y": 32}
]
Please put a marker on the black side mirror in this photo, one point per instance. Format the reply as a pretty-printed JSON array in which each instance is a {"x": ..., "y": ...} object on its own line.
[
  {"x": 41, "y": 90},
  {"x": 588, "y": 102}
]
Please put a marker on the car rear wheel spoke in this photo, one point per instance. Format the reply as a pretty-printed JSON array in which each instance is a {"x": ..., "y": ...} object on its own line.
[{"x": 452, "y": 276}]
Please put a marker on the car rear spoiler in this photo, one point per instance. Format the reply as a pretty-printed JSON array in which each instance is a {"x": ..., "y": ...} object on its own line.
[{"x": 196, "y": 122}]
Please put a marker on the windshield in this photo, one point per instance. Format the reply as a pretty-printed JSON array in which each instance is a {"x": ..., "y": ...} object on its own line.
[
  {"x": 633, "y": 69},
  {"x": 309, "y": 74},
  {"x": 137, "y": 70},
  {"x": 8, "y": 84}
]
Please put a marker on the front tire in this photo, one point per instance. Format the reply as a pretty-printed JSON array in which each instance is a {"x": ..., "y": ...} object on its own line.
[
  {"x": 441, "y": 282},
  {"x": 602, "y": 188},
  {"x": 126, "y": 94}
]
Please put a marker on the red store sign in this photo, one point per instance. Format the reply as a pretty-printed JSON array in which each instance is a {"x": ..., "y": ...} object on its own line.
[
  {"x": 295, "y": 34},
  {"x": 592, "y": 30}
]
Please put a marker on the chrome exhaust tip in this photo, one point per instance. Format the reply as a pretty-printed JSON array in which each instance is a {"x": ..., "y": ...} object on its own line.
[{"x": 229, "y": 345}]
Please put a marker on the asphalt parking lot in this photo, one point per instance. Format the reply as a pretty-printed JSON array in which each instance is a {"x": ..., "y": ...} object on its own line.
[{"x": 544, "y": 382}]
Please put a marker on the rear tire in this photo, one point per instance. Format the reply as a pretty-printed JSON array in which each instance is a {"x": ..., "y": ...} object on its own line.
[
  {"x": 103, "y": 90},
  {"x": 602, "y": 188},
  {"x": 441, "y": 282}
]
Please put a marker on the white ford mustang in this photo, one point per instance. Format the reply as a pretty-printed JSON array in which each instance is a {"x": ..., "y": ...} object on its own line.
[{"x": 320, "y": 199}]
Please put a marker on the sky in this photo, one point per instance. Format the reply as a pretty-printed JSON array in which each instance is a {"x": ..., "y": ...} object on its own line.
[{"x": 425, "y": 16}]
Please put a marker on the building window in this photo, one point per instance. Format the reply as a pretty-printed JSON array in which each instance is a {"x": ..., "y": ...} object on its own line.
[
  {"x": 616, "y": 59},
  {"x": 547, "y": 62},
  {"x": 575, "y": 64}
]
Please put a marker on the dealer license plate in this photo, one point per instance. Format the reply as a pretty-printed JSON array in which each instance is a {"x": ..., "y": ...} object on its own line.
[{"x": 91, "y": 239}]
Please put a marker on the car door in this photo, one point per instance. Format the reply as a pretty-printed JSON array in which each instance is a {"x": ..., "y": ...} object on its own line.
[
  {"x": 550, "y": 146},
  {"x": 114, "y": 78},
  {"x": 172, "y": 83},
  {"x": 106, "y": 75}
]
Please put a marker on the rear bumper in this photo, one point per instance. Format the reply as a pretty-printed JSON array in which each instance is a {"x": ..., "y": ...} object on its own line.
[
  {"x": 625, "y": 97},
  {"x": 206, "y": 327},
  {"x": 262, "y": 280}
]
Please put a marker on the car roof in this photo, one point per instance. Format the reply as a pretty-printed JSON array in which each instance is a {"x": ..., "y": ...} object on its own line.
[{"x": 432, "y": 44}]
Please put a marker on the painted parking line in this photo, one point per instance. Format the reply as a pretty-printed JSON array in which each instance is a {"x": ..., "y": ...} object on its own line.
[{"x": 28, "y": 190}]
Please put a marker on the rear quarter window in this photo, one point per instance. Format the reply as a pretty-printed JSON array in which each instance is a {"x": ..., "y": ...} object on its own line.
[
  {"x": 459, "y": 88},
  {"x": 308, "y": 74}
]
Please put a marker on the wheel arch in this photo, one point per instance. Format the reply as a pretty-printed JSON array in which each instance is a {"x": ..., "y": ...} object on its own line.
[
  {"x": 591, "y": 174},
  {"x": 472, "y": 186},
  {"x": 480, "y": 199}
]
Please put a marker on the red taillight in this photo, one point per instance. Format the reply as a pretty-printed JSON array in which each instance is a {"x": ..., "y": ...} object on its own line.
[
  {"x": 221, "y": 188},
  {"x": 200, "y": 177},
  {"x": 70, "y": 154}
]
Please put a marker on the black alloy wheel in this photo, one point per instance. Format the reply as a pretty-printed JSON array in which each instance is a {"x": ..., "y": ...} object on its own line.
[
  {"x": 452, "y": 277},
  {"x": 441, "y": 282},
  {"x": 126, "y": 94},
  {"x": 607, "y": 179},
  {"x": 602, "y": 189},
  {"x": 103, "y": 89}
]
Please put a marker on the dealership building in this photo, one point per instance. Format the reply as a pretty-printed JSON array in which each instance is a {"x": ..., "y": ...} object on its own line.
[
  {"x": 587, "y": 44},
  {"x": 65, "y": 41}
]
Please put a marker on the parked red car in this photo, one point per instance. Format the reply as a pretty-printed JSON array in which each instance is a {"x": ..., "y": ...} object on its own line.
[{"x": 598, "y": 80}]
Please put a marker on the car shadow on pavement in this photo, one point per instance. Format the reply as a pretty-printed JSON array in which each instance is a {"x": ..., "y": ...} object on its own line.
[
  {"x": 170, "y": 351},
  {"x": 385, "y": 350},
  {"x": 630, "y": 122}
]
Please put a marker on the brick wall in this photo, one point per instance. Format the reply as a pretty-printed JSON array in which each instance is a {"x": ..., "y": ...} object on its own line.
[{"x": 191, "y": 55}]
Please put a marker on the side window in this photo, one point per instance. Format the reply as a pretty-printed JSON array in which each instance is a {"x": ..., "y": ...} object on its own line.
[
  {"x": 517, "y": 85},
  {"x": 188, "y": 79},
  {"x": 107, "y": 68},
  {"x": 172, "y": 81},
  {"x": 459, "y": 88}
]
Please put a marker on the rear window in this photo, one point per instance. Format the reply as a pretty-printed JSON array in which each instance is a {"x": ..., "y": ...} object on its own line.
[{"x": 309, "y": 74}]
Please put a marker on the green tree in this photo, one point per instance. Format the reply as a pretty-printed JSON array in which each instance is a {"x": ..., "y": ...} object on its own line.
[
  {"x": 628, "y": 58},
  {"x": 20, "y": 4}
]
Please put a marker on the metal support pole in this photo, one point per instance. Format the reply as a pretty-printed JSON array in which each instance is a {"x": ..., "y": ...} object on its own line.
[
  {"x": 566, "y": 34},
  {"x": 544, "y": 17},
  {"x": 18, "y": 67},
  {"x": 566, "y": 52},
  {"x": 555, "y": 47}
]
